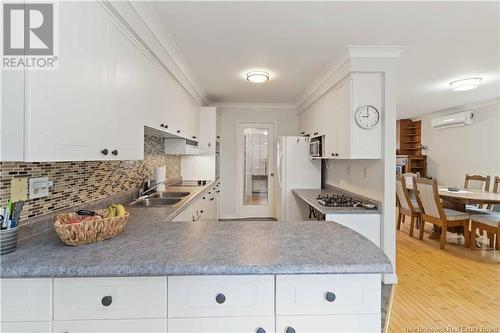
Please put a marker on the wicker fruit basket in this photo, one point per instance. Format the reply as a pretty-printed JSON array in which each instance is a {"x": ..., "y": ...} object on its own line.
[{"x": 90, "y": 231}]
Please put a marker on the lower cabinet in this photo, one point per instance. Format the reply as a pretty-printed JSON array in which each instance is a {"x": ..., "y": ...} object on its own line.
[
  {"x": 111, "y": 326},
  {"x": 329, "y": 324},
  {"x": 202, "y": 304},
  {"x": 222, "y": 325}
]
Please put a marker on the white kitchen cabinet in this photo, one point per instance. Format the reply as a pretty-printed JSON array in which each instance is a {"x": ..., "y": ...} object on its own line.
[
  {"x": 26, "y": 327},
  {"x": 332, "y": 116},
  {"x": 367, "y": 225},
  {"x": 26, "y": 300},
  {"x": 220, "y": 296},
  {"x": 110, "y": 298},
  {"x": 222, "y": 325},
  {"x": 111, "y": 326},
  {"x": 329, "y": 324}
]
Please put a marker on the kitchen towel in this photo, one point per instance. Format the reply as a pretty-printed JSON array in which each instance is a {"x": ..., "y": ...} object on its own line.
[{"x": 160, "y": 176}]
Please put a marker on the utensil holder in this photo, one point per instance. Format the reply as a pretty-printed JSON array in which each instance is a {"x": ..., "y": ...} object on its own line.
[{"x": 8, "y": 240}]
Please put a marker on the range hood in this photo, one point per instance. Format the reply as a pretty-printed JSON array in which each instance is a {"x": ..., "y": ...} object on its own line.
[{"x": 174, "y": 144}]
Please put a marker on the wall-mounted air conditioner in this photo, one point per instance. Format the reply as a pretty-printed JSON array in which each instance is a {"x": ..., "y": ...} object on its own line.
[{"x": 453, "y": 120}]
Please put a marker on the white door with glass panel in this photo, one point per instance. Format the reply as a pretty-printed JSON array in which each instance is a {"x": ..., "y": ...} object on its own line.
[{"x": 255, "y": 169}]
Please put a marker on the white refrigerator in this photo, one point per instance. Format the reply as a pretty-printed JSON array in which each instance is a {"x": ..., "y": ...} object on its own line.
[{"x": 295, "y": 170}]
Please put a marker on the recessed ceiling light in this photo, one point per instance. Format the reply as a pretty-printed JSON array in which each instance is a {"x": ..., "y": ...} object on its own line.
[
  {"x": 466, "y": 84},
  {"x": 258, "y": 76}
]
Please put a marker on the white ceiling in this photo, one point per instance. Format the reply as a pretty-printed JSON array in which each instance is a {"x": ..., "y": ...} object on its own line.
[{"x": 296, "y": 40}]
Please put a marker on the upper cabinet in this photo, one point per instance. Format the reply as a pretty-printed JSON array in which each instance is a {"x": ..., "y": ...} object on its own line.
[
  {"x": 96, "y": 104},
  {"x": 334, "y": 118}
]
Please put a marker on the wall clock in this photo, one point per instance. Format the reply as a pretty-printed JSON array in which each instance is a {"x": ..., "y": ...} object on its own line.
[{"x": 367, "y": 116}]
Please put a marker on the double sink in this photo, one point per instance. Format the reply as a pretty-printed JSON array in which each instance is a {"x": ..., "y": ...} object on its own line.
[{"x": 160, "y": 199}]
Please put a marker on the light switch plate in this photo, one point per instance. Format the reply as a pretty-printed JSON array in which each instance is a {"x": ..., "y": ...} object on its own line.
[
  {"x": 19, "y": 189},
  {"x": 41, "y": 192}
]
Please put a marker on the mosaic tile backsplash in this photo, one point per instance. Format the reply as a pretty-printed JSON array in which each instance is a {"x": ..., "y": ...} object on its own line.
[{"x": 76, "y": 183}]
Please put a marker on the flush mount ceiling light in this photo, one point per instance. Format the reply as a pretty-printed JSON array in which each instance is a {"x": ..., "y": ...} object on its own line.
[
  {"x": 258, "y": 76},
  {"x": 466, "y": 84}
]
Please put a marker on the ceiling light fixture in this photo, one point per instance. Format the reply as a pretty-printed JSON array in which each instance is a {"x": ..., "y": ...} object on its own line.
[
  {"x": 466, "y": 84},
  {"x": 258, "y": 76}
]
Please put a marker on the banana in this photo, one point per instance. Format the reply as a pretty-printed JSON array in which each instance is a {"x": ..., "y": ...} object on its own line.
[{"x": 120, "y": 210}]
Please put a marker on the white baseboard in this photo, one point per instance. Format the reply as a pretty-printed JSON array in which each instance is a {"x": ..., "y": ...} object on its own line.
[{"x": 390, "y": 278}]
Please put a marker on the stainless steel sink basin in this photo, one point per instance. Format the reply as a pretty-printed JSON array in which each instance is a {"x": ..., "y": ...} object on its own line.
[
  {"x": 155, "y": 202},
  {"x": 170, "y": 195}
]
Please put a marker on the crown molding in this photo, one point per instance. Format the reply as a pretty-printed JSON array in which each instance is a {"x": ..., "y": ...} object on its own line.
[
  {"x": 282, "y": 106},
  {"x": 343, "y": 58},
  {"x": 170, "y": 57}
]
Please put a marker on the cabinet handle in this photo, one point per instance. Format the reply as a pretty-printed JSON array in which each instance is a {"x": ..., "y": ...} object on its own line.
[
  {"x": 209, "y": 192},
  {"x": 260, "y": 330},
  {"x": 211, "y": 199},
  {"x": 194, "y": 137},
  {"x": 115, "y": 152},
  {"x": 203, "y": 198},
  {"x": 104, "y": 151},
  {"x": 220, "y": 298},
  {"x": 218, "y": 191},
  {"x": 302, "y": 133},
  {"x": 178, "y": 131},
  {"x": 315, "y": 133},
  {"x": 162, "y": 125},
  {"x": 290, "y": 329},
  {"x": 218, "y": 136},
  {"x": 337, "y": 154},
  {"x": 201, "y": 211},
  {"x": 107, "y": 300},
  {"x": 330, "y": 296}
]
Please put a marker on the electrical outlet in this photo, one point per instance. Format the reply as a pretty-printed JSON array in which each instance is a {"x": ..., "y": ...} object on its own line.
[
  {"x": 39, "y": 187},
  {"x": 19, "y": 189}
]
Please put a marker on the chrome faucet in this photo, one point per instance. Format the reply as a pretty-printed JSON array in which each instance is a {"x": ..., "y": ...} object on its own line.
[{"x": 143, "y": 192}]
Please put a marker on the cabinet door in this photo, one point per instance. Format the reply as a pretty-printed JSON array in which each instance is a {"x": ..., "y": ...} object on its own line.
[
  {"x": 344, "y": 120},
  {"x": 330, "y": 324},
  {"x": 66, "y": 115},
  {"x": 222, "y": 325},
  {"x": 26, "y": 300},
  {"x": 127, "y": 97},
  {"x": 111, "y": 326}
]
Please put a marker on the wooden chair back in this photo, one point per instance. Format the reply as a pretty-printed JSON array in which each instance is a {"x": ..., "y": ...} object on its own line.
[
  {"x": 408, "y": 176},
  {"x": 477, "y": 182},
  {"x": 427, "y": 194},
  {"x": 402, "y": 194},
  {"x": 496, "y": 189}
]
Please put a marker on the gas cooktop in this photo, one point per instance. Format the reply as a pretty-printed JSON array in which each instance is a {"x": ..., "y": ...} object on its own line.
[{"x": 341, "y": 200}]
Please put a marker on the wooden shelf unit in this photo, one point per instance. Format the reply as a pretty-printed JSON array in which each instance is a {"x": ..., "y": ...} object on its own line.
[{"x": 410, "y": 139}]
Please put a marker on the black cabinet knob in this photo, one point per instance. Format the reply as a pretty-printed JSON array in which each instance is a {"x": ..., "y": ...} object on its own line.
[
  {"x": 290, "y": 330},
  {"x": 218, "y": 191},
  {"x": 162, "y": 125},
  {"x": 218, "y": 136},
  {"x": 201, "y": 211},
  {"x": 194, "y": 137},
  {"x": 330, "y": 296},
  {"x": 107, "y": 300},
  {"x": 104, "y": 152},
  {"x": 115, "y": 152},
  {"x": 178, "y": 131},
  {"x": 260, "y": 330},
  {"x": 204, "y": 198},
  {"x": 211, "y": 199},
  {"x": 302, "y": 133},
  {"x": 336, "y": 154},
  {"x": 220, "y": 298}
]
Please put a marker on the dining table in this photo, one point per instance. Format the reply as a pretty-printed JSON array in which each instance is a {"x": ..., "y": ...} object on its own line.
[{"x": 458, "y": 198}]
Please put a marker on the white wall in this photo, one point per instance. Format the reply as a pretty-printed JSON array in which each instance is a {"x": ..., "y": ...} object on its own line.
[
  {"x": 286, "y": 121},
  {"x": 454, "y": 152}
]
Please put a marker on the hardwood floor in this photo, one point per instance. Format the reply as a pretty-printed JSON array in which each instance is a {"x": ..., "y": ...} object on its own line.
[{"x": 455, "y": 288}]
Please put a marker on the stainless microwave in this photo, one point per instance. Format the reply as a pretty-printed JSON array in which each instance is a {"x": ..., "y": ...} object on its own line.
[{"x": 315, "y": 148}]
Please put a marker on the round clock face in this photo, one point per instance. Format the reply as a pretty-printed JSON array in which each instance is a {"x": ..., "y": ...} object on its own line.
[{"x": 367, "y": 116}]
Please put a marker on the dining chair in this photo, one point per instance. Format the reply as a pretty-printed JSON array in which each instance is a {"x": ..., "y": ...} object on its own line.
[
  {"x": 433, "y": 212},
  {"x": 408, "y": 207},
  {"x": 496, "y": 189},
  {"x": 408, "y": 176},
  {"x": 476, "y": 182},
  {"x": 486, "y": 222}
]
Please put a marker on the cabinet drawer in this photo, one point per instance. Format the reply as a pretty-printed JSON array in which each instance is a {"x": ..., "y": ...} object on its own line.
[
  {"x": 26, "y": 300},
  {"x": 327, "y": 294},
  {"x": 27, "y": 327},
  {"x": 112, "y": 326},
  {"x": 368, "y": 323},
  {"x": 219, "y": 296},
  {"x": 110, "y": 298},
  {"x": 222, "y": 325}
]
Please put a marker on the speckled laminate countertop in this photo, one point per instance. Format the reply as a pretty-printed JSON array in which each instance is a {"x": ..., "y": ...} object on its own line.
[
  {"x": 310, "y": 197},
  {"x": 152, "y": 246}
]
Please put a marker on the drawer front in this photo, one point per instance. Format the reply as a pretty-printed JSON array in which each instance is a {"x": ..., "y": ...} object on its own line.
[
  {"x": 112, "y": 326},
  {"x": 26, "y": 300},
  {"x": 110, "y": 298},
  {"x": 27, "y": 327},
  {"x": 368, "y": 323},
  {"x": 327, "y": 294},
  {"x": 222, "y": 325},
  {"x": 200, "y": 296}
]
